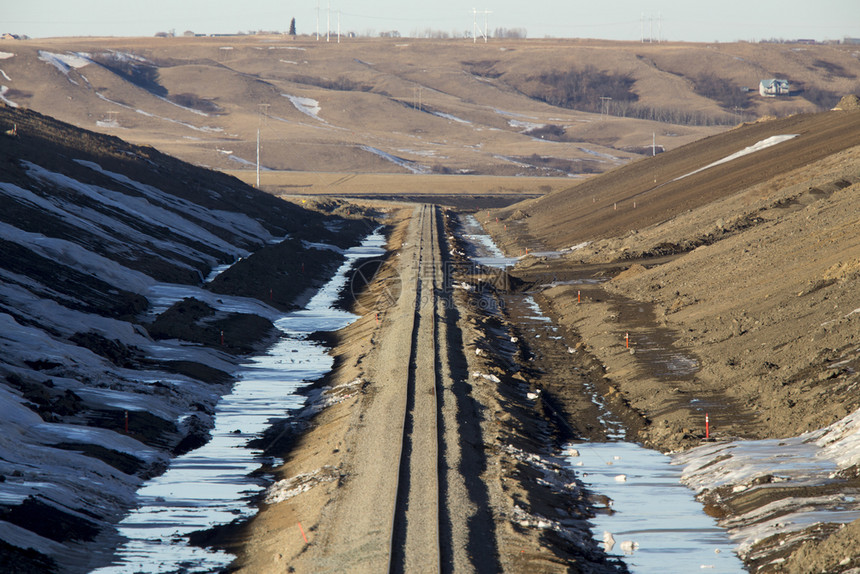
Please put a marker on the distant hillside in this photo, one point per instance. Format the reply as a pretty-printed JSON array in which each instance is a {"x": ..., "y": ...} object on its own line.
[
  {"x": 509, "y": 107},
  {"x": 95, "y": 235},
  {"x": 658, "y": 189}
]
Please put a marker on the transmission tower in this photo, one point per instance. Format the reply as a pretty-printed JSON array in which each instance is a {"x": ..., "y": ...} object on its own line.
[{"x": 475, "y": 28}]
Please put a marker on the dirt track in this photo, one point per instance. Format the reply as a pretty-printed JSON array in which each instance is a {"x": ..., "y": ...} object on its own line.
[{"x": 497, "y": 479}]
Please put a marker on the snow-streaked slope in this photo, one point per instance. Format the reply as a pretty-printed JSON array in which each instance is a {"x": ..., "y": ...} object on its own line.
[{"x": 90, "y": 254}]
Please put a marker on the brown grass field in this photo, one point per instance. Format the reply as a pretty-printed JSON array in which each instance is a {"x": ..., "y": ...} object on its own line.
[{"x": 409, "y": 106}]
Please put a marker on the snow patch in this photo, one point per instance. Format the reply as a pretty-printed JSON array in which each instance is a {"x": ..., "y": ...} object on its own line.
[
  {"x": 405, "y": 163},
  {"x": 525, "y": 126},
  {"x": 307, "y": 106},
  {"x": 4, "y": 99},
  {"x": 451, "y": 117},
  {"x": 810, "y": 459},
  {"x": 6, "y": 55},
  {"x": 64, "y": 62},
  {"x": 763, "y": 144}
]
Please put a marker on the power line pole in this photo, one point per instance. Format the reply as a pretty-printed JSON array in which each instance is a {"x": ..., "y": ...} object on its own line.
[
  {"x": 485, "y": 31},
  {"x": 318, "y": 20},
  {"x": 328, "y": 22},
  {"x": 264, "y": 112}
]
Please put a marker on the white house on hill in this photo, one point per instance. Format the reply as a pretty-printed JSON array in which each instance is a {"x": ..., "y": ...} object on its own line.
[{"x": 773, "y": 88}]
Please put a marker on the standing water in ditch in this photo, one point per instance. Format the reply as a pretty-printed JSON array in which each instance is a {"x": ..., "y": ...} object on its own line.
[
  {"x": 653, "y": 522},
  {"x": 211, "y": 486}
]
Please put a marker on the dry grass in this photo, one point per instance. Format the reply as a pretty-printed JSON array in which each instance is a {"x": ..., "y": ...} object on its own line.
[
  {"x": 438, "y": 106},
  {"x": 385, "y": 185}
]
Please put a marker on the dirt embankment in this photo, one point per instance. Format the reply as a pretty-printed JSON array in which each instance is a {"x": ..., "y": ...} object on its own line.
[
  {"x": 744, "y": 308},
  {"x": 764, "y": 316}
]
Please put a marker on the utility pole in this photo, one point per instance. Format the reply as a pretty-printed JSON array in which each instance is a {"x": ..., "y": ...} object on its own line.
[
  {"x": 338, "y": 25},
  {"x": 416, "y": 97},
  {"x": 264, "y": 111},
  {"x": 328, "y": 22},
  {"x": 318, "y": 20}
]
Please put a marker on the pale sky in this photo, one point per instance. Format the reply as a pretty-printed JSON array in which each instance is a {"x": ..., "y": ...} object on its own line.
[{"x": 689, "y": 20}]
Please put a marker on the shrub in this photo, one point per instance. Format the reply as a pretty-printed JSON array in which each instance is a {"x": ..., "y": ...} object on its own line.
[
  {"x": 583, "y": 89},
  {"x": 722, "y": 91},
  {"x": 140, "y": 73},
  {"x": 548, "y": 132}
]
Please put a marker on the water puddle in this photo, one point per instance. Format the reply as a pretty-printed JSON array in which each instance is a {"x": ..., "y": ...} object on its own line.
[
  {"x": 652, "y": 520},
  {"x": 481, "y": 247},
  {"x": 211, "y": 485}
]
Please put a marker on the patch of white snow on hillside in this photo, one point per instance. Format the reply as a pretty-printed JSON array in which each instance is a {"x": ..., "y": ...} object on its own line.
[
  {"x": 451, "y": 117},
  {"x": 64, "y": 62},
  {"x": 512, "y": 114},
  {"x": 810, "y": 459},
  {"x": 599, "y": 154},
  {"x": 6, "y": 55},
  {"x": 138, "y": 208},
  {"x": 126, "y": 56},
  {"x": 206, "y": 129},
  {"x": 242, "y": 161},
  {"x": 763, "y": 144},
  {"x": 526, "y": 126},
  {"x": 5, "y": 75},
  {"x": 307, "y": 106},
  {"x": 76, "y": 257},
  {"x": 405, "y": 163},
  {"x": 237, "y": 223},
  {"x": 4, "y": 99}
]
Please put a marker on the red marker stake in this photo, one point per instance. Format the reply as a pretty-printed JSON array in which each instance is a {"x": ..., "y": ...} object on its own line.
[
  {"x": 302, "y": 530},
  {"x": 126, "y": 422},
  {"x": 579, "y": 296},
  {"x": 626, "y": 340},
  {"x": 707, "y": 427}
]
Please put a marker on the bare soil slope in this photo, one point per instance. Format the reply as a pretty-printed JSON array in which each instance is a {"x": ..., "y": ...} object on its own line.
[
  {"x": 736, "y": 288},
  {"x": 653, "y": 191}
]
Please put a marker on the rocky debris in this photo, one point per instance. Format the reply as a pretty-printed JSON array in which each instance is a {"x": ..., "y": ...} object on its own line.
[{"x": 848, "y": 103}]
